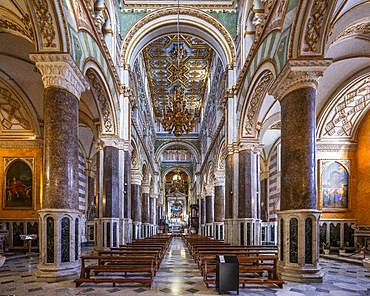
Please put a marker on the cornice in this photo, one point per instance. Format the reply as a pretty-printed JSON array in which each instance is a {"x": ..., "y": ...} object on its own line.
[
  {"x": 60, "y": 70},
  {"x": 336, "y": 147},
  {"x": 298, "y": 74},
  {"x": 21, "y": 144}
]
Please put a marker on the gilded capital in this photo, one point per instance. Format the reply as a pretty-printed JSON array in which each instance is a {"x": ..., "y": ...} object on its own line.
[
  {"x": 60, "y": 70},
  {"x": 298, "y": 74}
]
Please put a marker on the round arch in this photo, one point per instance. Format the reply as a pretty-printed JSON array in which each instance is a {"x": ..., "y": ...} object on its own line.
[
  {"x": 189, "y": 146},
  {"x": 103, "y": 99},
  {"x": 191, "y": 21}
]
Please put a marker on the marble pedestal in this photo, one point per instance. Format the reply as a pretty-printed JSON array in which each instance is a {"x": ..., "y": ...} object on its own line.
[
  {"x": 218, "y": 233},
  {"x": 136, "y": 230},
  {"x": 299, "y": 246},
  {"x": 209, "y": 229},
  {"x": 59, "y": 245},
  {"x": 145, "y": 231},
  {"x": 243, "y": 231},
  {"x": 126, "y": 231}
]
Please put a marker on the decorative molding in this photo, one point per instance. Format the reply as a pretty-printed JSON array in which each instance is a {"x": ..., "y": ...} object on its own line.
[
  {"x": 255, "y": 147},
  {"x": 60, "y": 70},
  {"x": 115, "y": 142},
  {"x": 102, "y": 97},
  {"x": 45, "y": 21},
  {"x": 174, "y": 11},
  {"x": 359, "y": 28},
  {"x": 335, "y": 147},
  {"x": 21, "y": 144},
  {"x": 315, "y": 25},
  {"x": 220, "y": 178},
  {"x": 262, "y": 84},
  {"x": 298, "y": 74},
  {"x": 346, "y": 110},
  {"x": 275, "y": 126}
]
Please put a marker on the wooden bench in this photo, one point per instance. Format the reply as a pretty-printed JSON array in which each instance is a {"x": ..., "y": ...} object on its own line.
[{"x": 126, "y": 270}]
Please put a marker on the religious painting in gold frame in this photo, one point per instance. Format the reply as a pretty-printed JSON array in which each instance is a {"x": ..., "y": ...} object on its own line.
[
  {"x": 334, "y": 185},
  {"x": 18, "y": 183}
]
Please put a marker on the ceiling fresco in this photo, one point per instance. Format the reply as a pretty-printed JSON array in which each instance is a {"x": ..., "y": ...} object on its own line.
[{"x": 177, "y": 60}]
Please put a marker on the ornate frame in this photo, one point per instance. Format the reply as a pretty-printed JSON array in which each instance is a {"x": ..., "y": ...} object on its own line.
[
  {"x": 323, "y": 165},
  {"x": 29, "y": 188}
]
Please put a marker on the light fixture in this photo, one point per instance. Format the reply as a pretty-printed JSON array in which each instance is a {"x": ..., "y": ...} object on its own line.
[
  {"x": 178, "y": 117},
  {"x": 177, "y": 182}
]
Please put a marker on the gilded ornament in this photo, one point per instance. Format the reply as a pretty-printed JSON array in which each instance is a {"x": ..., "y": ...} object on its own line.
[{"x": 45, "y": 20}]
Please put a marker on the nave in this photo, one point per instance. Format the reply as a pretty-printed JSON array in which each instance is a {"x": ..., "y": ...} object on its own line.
[{"x": 179, "y": 275}]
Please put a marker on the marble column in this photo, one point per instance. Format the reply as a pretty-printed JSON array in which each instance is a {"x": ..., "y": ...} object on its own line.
[
  {"x": 248, "y": 198},
  {"x": 231, "y": 196},
  {"x": 127, "y": 221},
  {"x": 210, "y": 214},
  {"x": 136, "y": 179},
  {"x": 112, "y": 193},
  {"x": 202, "y": 215},
  {"x": 60, "y": 219},
  {"x": 219, "y": 206},
  {"x": 145, "y": 210},
  {"x": 298, "y": 218}
]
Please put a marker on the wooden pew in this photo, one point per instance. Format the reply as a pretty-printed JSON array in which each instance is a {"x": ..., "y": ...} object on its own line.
[{"x": 125, "y": 269}]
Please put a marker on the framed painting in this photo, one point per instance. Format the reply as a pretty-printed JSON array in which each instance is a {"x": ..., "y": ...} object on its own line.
[
  {"x": 334, "y": 185},
  {"x": 19, "y": 187}
]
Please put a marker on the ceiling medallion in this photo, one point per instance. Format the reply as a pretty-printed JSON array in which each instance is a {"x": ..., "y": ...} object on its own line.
[{"x": 178, "y": 118}]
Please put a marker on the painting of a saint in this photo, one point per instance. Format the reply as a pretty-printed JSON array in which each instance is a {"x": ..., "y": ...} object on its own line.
[
  {"x": 335, "y": 186},
  {"x": 18, "y": 185}
]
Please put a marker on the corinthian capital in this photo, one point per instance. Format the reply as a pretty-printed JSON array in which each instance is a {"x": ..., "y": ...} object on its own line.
[
  {"x": 60, "y": 70},
  {"x": 298, "y": 74}
]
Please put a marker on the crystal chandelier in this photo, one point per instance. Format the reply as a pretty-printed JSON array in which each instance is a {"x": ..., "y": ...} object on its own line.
[{"x": 178, "y": 118}]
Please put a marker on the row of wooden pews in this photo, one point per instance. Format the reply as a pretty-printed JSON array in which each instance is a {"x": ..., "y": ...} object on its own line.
[
  {"x": 257, "y": 264},
  {"x": 135, "y": 262}
]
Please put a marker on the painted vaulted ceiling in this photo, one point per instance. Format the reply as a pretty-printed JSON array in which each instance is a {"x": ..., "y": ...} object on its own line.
[{"x": 177, "y": 60}]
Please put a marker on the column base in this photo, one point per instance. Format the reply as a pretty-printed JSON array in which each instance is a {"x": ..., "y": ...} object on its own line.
[
  {"x": 243, "y": 231},
  {"x": 218, "y": 230},
  {"x": 299, "y": 246},
  {"x": 56, "y": 273},
  {"x": 136, "y": 230},
  {"x": 60, "y": 241},
  {"x": 126, "y": 231},
  {"x": 300, "y": 274}
]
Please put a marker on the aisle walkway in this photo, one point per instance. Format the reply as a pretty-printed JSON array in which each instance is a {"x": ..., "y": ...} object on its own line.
[{"x": 179, "y": 275}]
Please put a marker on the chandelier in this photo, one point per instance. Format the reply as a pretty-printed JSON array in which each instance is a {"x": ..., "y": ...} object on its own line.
[
  {"x": 178, "y": 118},
  {"x": 177, "y": 182}
]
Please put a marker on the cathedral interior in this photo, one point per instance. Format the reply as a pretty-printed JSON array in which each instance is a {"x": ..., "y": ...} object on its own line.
[{"x": 244, "y": 121}]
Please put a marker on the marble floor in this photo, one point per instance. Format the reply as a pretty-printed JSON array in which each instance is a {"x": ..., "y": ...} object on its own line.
[{"x": 179, "y": 275}]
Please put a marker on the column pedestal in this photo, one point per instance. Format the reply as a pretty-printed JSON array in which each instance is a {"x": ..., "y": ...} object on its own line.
[
  {"x": 299, "y": 246},
  {"x": 110, "y": 232},
  {"x": 126, "y": 230},
  {"x": 209, "y": 229},
  {"x": 59, "y": 245},
  {"x": 145, "y": 230},
  {"x": 218, "y": 233},
  {"x": 231, "y": 231},
  {"x": 136, "y": 230},
  {"x": 243, "y": 231}
]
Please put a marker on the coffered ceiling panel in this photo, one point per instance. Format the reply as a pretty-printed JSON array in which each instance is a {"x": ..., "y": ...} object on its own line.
[{"x": 177, "y": 60}]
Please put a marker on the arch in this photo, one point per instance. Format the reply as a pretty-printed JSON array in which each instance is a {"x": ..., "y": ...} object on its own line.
[
  {"x": 183, "y": 169},
  {"x": 194, "y": 22},
  {"x": 167, "y": 145},
  {"x": 260, "y": 83},
  {"x": 103, "y": 99},
  {"x": 135, "y": 155},
  {"x": 344, "y": 112},
  {"x": 221, "y": 155}
]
